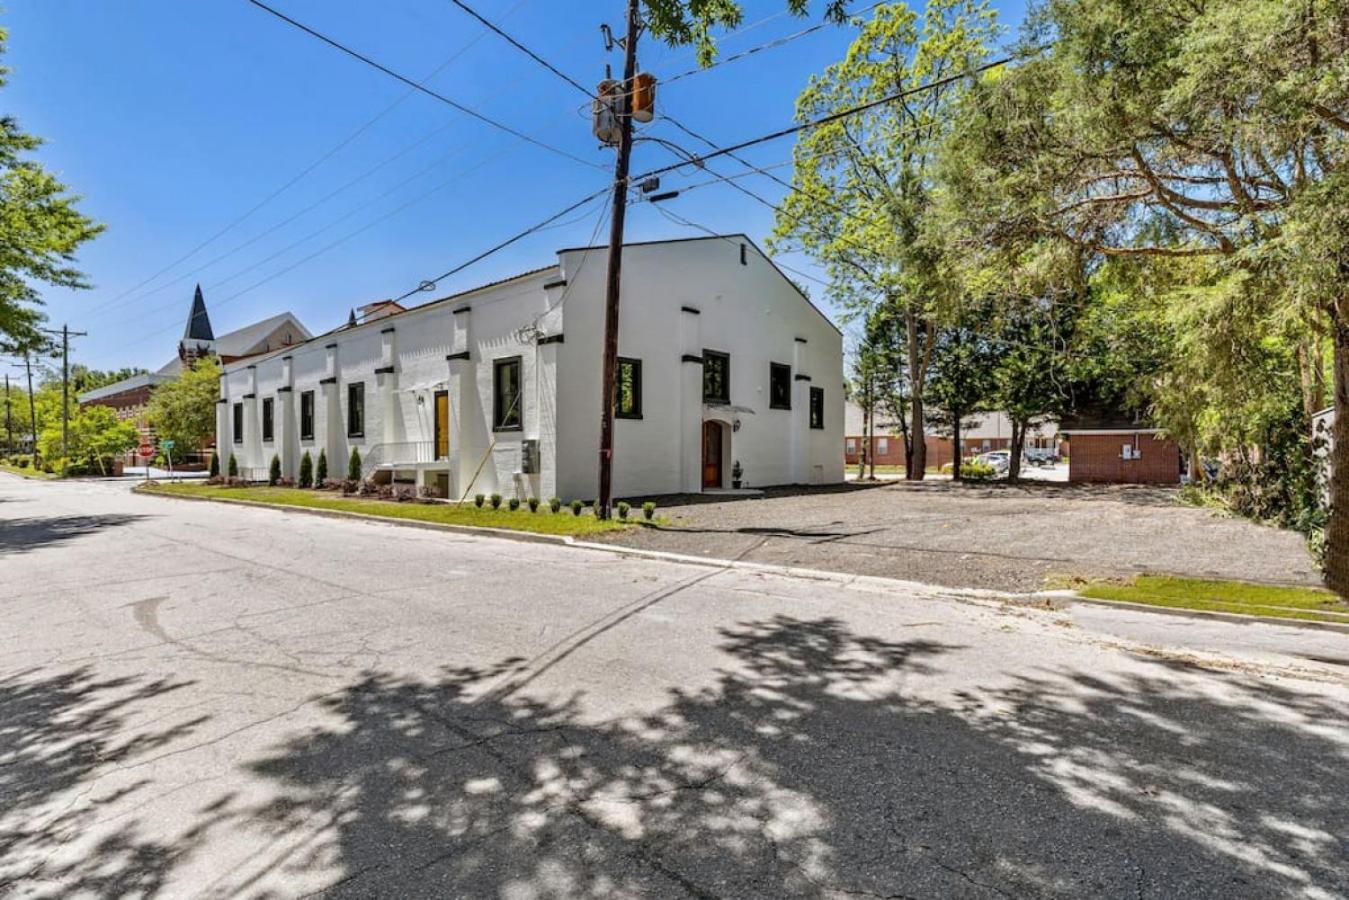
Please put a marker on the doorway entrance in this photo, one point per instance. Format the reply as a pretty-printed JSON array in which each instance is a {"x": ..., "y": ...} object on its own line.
[
  {"x": 442, "y": 424},
  {"x": 711, "y": 455}
]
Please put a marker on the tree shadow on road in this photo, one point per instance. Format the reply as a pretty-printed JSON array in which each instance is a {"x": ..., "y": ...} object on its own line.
[
  {"x": 58, "y": 735},
  {"x": 806, "y": 769},
  {"x": 23, "y": 535}
]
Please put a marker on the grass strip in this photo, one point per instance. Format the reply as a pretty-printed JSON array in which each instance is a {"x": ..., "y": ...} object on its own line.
[
  {"x": 541, "y": 522},
  {"x": 1239, "y": 597}
]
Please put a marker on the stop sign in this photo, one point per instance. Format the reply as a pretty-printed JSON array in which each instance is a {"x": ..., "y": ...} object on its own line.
[{"x": 146, "y": 450}]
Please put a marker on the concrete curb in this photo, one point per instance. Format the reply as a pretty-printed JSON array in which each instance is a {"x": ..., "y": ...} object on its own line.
[{"x": 1054, "y": 599}]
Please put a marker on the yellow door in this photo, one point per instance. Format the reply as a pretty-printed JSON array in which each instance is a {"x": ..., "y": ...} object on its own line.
[{"x": 442, "y": 424}]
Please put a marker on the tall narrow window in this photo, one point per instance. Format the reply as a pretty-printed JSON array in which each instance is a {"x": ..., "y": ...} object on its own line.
[
  {"x": 716, "y": 377},
  {"x": 779, "y": 386},
  {"x": 816, "y": 407},
  {"x": 507, "y": 397},
  {"x": 238, "y": 423},
  {"x": 268, "y": 423},
  {"x": 307, "y": 416},
  {"x": 356, "y": 409},
  {"x": 628, "y": 404}
]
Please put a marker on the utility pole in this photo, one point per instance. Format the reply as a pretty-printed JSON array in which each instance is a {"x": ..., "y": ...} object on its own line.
[
  {"x": 66, "y": 335},
  {"x": 32, "y": 406},
  {"x": 609, "y": 374},
  {"x": 9, "y": 420}
]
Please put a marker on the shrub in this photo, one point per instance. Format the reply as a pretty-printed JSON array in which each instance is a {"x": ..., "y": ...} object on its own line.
[
  {"x": 216, "y": 480},
  {"x": 514, "y": 503},
  {"x": 404, "y": 493},
  {"x": 23, "y": 462},
  {"x": 977, "y": 471},
  {"x": 306, "y": 470},
  {"x": 350, "y": 486},
  {"x": 649, "y": 510},
  {"x": 274, "y": 470},
  {"x": 370, "y": 489},
  {"x": 623, "y": 510},
  {"x": 554, "y": 504},
  {"x": 496, "y": 501},
  {"x": 479, "y": 500},
  {"x": 354, "y": 465},
  {"x": 233, "y": 467},
  {"x": 215, "y": 464},
  {"x": 428, "y": 493},
  {"x": 576, "y": 507},
  {"x": 321, "y": 468},
  {"x": 533, "y": 504}
]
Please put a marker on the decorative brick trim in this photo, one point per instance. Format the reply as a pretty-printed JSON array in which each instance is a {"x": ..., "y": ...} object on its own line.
[
  {"x": 384, "y": 370},
  {"x": 802, "y": 378},
  {"x": 389, "y": 330},
  {"x": 801, "y": 340},
  {"x": 330, "y": 346},
  {"x": 460, "y": 309},
  {"x": 284, "y": 390},
  {"x": 690, "y": 358},
  {"x": 332, "y": 380},
  {"x": 561, "y": 282},
  {"x": 461, "y": 355},
  {"x": 551, "y": 339},
  {"x": 691, "y": 309}
]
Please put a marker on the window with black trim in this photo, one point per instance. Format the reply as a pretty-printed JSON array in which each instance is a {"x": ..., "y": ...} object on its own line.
[
  {"x": 716, "y": 377},
  {"x": 779, "y": 386},
  {"x": 628, "y": 400},
  {"x": 238, "y": 423},
  {"x": 507, "y": 396},
  {"x": 268, "y": 421},
  {"x": 816, "y": 407},
  {"x": 356, "y": 409},
  {"x": 307, "y": 416}
]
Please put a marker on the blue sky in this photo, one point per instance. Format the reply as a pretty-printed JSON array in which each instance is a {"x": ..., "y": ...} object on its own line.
[{"x": 174, "y": 120}]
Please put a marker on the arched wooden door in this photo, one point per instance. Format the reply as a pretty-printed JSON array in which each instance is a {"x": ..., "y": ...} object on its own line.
[{"x": 711, "y": 455}]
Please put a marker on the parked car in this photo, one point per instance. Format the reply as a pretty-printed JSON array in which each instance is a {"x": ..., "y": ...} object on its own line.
[
  {"x": 1041, "y": 456},
  {"x": 1000, "y": 460}
]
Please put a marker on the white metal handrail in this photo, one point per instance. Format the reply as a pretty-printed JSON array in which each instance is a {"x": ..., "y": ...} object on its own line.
[{"x": 398, "y": 453}]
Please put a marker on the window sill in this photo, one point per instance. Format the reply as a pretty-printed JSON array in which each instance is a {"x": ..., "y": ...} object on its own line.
[
  {"x": 630, "y": 416},
  {"x": 784, "y": 408},
  {"x": 717, "y": 401},
  {"x": 508, "y": 429},
  {"x": 356, "y": 436}
]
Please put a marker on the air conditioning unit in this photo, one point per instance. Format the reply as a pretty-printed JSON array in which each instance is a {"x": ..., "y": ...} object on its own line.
[{"x": 529, "y": 457}]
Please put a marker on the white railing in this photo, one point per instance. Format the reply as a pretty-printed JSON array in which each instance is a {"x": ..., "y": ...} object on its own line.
[{"x": 402, "y": 453}]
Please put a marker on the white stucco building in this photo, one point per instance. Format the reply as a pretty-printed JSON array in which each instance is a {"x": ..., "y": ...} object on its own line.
[{"x": 497, "y": 389}]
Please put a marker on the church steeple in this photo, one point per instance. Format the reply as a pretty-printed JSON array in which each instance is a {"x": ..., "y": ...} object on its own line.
[
  {"x": 198, "y": 323},
  {"x": 198, "y": 338}
]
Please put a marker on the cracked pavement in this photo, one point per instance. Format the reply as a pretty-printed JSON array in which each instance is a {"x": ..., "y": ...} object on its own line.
[{"x": 206, "y": 700}]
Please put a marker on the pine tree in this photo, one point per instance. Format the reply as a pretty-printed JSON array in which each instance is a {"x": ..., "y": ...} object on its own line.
[
  {"x": 306, "y": 470},
  {"x": 321, "y": 470},
  {"x": 215, "y": 465},
  {"x": 274, "y": 471},
  {"x": 354, "y": 465},
  {"x": 233, "y": 467}
]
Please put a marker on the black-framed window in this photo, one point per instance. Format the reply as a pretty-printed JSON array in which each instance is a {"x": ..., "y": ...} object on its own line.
[
  {"x": 507, "y": 395},
  {"x": 268, "y": 419},
  {"x": 716, "y": 377},
  {"x": 356, "y": 409},
  {"x": 779, "y": 386},
  {"x": 628, "y": 400},
  {"x": 816, "y": 407},
  {"x": 307, "y": 416},
  {"x": 238, "y": 423}
]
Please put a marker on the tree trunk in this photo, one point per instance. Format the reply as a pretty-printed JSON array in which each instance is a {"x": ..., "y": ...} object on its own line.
[
  {"x": 955, "y": 456},
  {"x": 1337, "y": 528},
  {"x": 917, "y": 456},
  {"x": 1014, "y": 457}
]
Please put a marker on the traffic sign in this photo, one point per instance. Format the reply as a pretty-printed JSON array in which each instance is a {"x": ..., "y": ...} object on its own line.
[
  {"x": 166, "y": 445},
  {"x": 146, "y": 450}
]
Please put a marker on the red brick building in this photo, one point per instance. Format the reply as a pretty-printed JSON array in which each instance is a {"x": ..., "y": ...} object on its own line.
[
  {"x": 981, "y": 433},
  {"x": 1115, "y": 448}
]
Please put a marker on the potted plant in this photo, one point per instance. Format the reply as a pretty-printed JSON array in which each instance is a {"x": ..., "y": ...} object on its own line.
[{"x": 736, "y": 473}]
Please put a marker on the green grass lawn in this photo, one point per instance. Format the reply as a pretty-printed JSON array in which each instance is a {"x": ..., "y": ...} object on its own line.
[
  {"x": 541, "y": 522},
  {"x": 1224, "y": 596},
  {"x": 28, "y": 472}
]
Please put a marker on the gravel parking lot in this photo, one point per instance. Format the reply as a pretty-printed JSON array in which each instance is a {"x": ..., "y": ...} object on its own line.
[{"x": 1003, "y": 537}]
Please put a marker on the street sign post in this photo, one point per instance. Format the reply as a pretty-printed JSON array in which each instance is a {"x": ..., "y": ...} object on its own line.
[{"x": 167, "y": 447}]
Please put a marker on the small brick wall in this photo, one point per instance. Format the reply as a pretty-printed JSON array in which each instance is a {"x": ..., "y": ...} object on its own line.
[
  {"x": 939, "y": 450},
  {"x": 1096, "y": 458}
]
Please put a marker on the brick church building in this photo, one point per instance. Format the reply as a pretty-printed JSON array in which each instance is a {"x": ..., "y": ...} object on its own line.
[{"x": 130, "y": 397}]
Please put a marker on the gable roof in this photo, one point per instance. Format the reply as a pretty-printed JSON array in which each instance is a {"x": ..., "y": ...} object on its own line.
[{"x": 730, "y": 237}]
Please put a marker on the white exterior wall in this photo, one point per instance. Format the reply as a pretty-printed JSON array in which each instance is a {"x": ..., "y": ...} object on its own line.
[{"x": 747, "y": 310}]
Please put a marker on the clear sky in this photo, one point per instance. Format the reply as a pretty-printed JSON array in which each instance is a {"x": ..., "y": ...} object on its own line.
[{"x": 176, "y": 121}]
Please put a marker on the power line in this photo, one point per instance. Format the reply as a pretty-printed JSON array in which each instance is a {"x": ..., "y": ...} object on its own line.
[
  {"x": 303, "y": 173},
  {"x": 522, "y": 48},
  {"x": 430, "y": 283},
  {"x": 835, "y": 116},
  {"x": 466, "y": 110}
]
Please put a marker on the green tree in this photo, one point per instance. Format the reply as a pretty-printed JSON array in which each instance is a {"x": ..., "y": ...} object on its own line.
[
  {"x": 354, "y": 465},
  {"x": 40, "y": 230},
  {"x": 863, "y": 184},
  {"x": 274, "y": 470},
  {"x": 94, "y": 434},
  {"x": 183, "y": 410},
  {"x": 962, "y": 380},
  {"x": 306, "y": 470},
  {"x": 680, "y": 22},
  {"x": 321, "y": 469}
]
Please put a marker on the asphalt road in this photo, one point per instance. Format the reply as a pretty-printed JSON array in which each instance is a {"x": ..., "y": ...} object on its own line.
[{"x": 200, "y": 700}]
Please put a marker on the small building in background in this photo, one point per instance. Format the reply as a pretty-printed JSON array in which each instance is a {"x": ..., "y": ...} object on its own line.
[
  {"x": 1108, "y": 445},
  {"x": 979, "y": 433}
]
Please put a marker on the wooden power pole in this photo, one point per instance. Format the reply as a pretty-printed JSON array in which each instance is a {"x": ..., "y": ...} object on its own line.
[
  {"x": 609, "y": 376},
  {"x": 66, "y": 335},
  {"x": 32, "y": 406}
]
